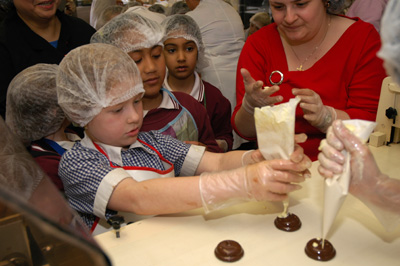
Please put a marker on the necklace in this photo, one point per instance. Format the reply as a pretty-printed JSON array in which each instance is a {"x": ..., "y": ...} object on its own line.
[{"x": 300, "y": 68}]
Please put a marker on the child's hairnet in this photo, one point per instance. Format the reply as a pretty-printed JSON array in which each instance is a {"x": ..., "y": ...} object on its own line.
[
  {"x": 96, "y": 8},
  {"x": 94, "y": 76},
  {"x": 390, "y": 35},
  {"x": 183, "y": 26},
  {"x": 108, "y": 14},
  {"x": 146, "y": 13},
  {"x": 130, "y": 32},
  {"x": 32, "y": 108},
  {"x": 179, "y": 8}
]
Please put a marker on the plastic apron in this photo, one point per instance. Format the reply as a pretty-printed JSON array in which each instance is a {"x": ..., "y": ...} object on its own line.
[
  {"x": 139, "y": 174},
  {"x": 183, "y": 126}
]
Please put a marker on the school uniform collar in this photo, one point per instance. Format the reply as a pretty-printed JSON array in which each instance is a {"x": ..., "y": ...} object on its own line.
[
  {"x": 197, "y": 90},
  {"x": 168, "y": 102},
  {"x": 113, "y": 153}
]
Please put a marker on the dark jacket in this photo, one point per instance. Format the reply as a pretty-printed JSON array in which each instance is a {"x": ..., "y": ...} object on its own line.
[{"x": 20, "y": 47}]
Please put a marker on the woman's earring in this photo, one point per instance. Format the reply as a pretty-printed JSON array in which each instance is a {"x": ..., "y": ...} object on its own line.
[{"x": 328, "y": 4}]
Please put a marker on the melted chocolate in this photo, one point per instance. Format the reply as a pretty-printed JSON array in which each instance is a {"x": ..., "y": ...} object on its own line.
[
  {"x": 315, "y": 251},
  {"x": 229, "y": 251},
  {"x": 289, "y": 223}
]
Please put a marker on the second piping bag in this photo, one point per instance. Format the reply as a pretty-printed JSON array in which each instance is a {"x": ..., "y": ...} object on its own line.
[{"x": 337, "y": 188}]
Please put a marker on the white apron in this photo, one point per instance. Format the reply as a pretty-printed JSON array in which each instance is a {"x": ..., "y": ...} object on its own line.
[{"x": 140, "y": 174}]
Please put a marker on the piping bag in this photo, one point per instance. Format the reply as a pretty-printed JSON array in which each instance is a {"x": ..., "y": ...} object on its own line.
[
  {"x": 275, "y": 132},
  {"x": 337, "y": 188}
]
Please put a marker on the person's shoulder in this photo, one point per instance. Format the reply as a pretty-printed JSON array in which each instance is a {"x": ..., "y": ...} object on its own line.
[
  {"x": 156, "y": 138},
  {"x": 183, "y": 97},
  {"x": 191, "y": 104},
  {"x": 187, "y": 101},
  {"x": 78, "y": 151},
  {"x": 9, "y": 23},
  {"x": 356, "y": 27},
  {"x": 208, "y": 87}
]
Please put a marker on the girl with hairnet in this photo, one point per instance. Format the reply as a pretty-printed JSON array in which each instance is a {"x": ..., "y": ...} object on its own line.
[
  {"x": 33, "y": 114},
  {"x": 173, "y": 113},
  {"x": 184, "y": 54},
  {"x": 118, "y": 168}
]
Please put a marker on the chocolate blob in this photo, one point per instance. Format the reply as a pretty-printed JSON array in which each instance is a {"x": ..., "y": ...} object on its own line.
[
  {"x": 289, "y": 223},
  {"x": 315, "y": 251},
  {"x": 229, "y": 251}
]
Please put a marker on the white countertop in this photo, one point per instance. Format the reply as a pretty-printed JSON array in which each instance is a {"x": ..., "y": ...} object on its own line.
[{"x": 190, "y": 238}]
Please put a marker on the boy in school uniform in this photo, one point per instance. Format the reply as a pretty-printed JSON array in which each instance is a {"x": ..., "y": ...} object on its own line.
[
  {"x": 175, "y": 114},
  {"x": 118, "y": 168},
  {"x": 184, "y": 56}
]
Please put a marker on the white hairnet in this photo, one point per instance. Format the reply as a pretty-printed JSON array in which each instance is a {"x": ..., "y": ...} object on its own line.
[
  {"x": 145, "y": 12},
  {"x": 94, "y": 76},
  {"x": 183, "y": 26},
  {"x": 390, "y": 35},
  {"x": 96, "y": 8},
  {"x": 108, "y": 14},
  {"x": 32, "y": 108},
  {"x": 179, "y": 8},
  {"x": 130, "y": 32}
]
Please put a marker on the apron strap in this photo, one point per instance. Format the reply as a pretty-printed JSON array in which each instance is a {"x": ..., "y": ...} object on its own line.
[
  {"x": 162, "y": 172},
  {"x": 180, "y": 114},
  {"x": 60, "y": 150}
]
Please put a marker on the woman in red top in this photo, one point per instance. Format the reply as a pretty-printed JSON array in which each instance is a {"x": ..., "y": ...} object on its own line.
[{"x": 329, "y": 61}]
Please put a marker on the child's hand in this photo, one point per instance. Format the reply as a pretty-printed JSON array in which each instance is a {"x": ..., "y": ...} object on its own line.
[
  {"x": 273, "y": 180},
  {"x": 263, "y": 181},
  {"x": 252, "y": 157}
]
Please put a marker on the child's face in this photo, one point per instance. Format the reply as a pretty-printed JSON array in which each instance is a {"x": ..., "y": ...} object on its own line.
[
  {"x": 151, "y": 64},
  {"x": 118, "y": 125},
  {"x": 180, "y": 57}
]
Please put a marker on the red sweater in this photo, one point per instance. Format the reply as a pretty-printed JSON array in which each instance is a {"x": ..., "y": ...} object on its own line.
[{"x": 348, "y": 77}]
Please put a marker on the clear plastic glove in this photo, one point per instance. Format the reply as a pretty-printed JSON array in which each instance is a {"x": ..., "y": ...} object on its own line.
[
  {"x": 315, "y": 112},
  {"x": 264, "y": 181},
  {"x": 256, "y": 95},
  {"x": 367, "y": 182},
  {"x": 255, "y": 156}
]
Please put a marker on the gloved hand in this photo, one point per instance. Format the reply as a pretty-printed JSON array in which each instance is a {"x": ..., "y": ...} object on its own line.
[
  {"x": 263, "y": 181},
  {"x": 256, "y": 95},
  {"x": 367, "y": 182},
  {"x": 315, "y": 112},
  {"x": 255, "y": 156}
]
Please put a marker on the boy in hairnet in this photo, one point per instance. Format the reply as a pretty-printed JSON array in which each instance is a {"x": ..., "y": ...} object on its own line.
[
  {"x": 116, "y": 167},
  {"x": 176, "y": 114},
  {"x": 184, "y": 54},
  {"x": 34, "y": 115}
]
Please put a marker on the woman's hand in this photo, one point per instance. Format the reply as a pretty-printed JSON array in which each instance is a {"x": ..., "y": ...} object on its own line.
[
  {"x": 315, "y": 112},
  {"x": 256, "y": 95}
]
